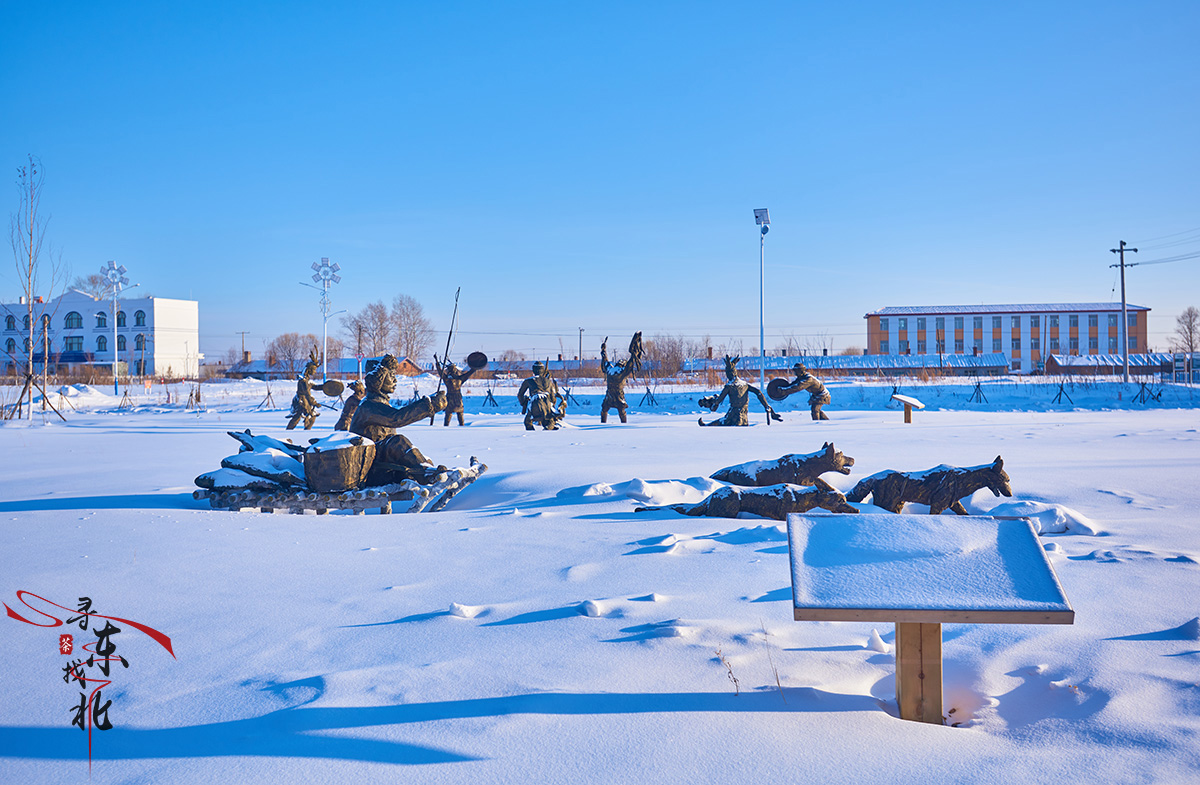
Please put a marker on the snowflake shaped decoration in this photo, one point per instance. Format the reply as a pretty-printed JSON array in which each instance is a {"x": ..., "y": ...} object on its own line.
[
  {"x": 326, "y": 273},
  {"x": 115, "y": 275}
]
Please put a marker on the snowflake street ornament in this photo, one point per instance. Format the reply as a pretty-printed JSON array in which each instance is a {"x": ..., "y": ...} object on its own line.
[
  {"x": 326, "y": 273},
  {"x": 115, "y": 275}
]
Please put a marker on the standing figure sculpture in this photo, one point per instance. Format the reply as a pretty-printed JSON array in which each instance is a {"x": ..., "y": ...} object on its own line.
[
  {"x": 615, "y": 374},
  {"x": 304, "y": 405},
  {"x": 396, "y": 458},
  {"x": 738, "y": 392},
  {"x": 357, "y": 393},
  {"x": 818, "y": 396},
  {"x": 540, "y": 400},
  {"x": 453, "y": 377}
]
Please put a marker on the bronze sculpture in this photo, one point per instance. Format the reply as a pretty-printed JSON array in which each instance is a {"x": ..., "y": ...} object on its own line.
[
  {"x": 615, "y": 374},
  {"x": 940, "y": 487},
  {"x": 396, "y": 458},
  {"x": 453, "y": 377},
  {"x": 794, "y": 469},
  {"x": 818, "y": 396},
  {"x": 540, "y": 400},
  {"x": 738, "y": 392},
  {"x": 772, "y": 501},
  {"x": 304, "y": 405},
  {"x": 357, "y": 392}
]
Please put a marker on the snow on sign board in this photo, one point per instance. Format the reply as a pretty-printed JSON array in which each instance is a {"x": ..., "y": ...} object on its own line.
[{"x": 926, "y": 568}]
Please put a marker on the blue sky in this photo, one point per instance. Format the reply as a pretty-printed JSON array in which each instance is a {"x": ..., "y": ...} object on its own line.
[{"x": 596, "y": 165}]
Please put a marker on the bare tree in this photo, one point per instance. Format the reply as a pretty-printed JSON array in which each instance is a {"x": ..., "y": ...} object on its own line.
[
  {"x": 369, "y": 331},
  {"x": 27, "y": 232},
  {"x": 94, "y": 284},
  {"x": 510, "y": 360},
  {"x": 290, "y": 348},
  {"x": 413, "y": 332},
  {"x": 1187, "y": 331},
  {"x": 665, "y": 354},
  {"x": 850, "y": 350}
]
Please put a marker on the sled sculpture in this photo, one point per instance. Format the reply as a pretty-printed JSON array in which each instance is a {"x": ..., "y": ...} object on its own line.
[
  {"x": 328, "y": 474},
  {"x": 793, "y": 468},
  {"x": 940, "y": 487},
  {"x": 772, "y": 501}
]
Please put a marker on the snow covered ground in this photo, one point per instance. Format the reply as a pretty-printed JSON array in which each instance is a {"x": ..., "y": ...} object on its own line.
[{"x": 538, "y": 630}]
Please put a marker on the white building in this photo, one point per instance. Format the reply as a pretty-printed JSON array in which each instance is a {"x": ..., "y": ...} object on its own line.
[{"x": 152, "y": 336}]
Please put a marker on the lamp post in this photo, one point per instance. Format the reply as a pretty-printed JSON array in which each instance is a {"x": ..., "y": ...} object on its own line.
[
  {"x": 325, "y": 275},
  {"x": 763, "y": 219},
  {"x": 116, "y": 279}
]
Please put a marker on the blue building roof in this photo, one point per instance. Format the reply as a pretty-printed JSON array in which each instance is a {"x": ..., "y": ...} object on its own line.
[{"x": 925, "y": 310}]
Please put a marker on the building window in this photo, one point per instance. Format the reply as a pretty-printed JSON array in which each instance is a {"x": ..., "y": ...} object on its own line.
[
  {"x": 28, "y": 345},
  {"x": 958, "y": 322},
  {"x": 1133, "y": 320},
  {"x": 73, "y": 343},
  {"x": 1034, "y": 321},
  {"x": 920, "y": 322},
  {"x": 1054, "y": 344},
  {"x": 73, "y": 321},
  {"x": 101, "y": 343},
  {"x": 996, "y": 322},
  {"x": 920, "y": 347},
  {"x": 1035, "y": 344},
  {"x": 1073, "y": 320},
  {"x": 1016, "y": 365},
  {"x": 10, "y": 323},
  {"x": 1112, "y": 344},
  {"x": 139, "y": 318},
  {"x": 1016, "y": 343},
  {"x": 139, "y": 342},
  {"x": 1016, "y": 322},
  {"x": 978, "y": 346},
  {"x": 1074, "y": 346},
  {"x": 102, "y": 319},
  {"x": 120, "y": 343},
  {"x": 904, "y": 347},
  {"x": 120, "y": 318},
  {"x": 883, "y": 347},
  {"x": 1093, "y": 320},
  {"x": 1093, "y": 344},
  {"x": 940, "y": 346},
  {"x": 902, "y": 323},
  {"x": 940, "y": 323},
  {"x": 996, "y": 347},
  {"x": 1112, "y": 320},
  {"x": 26, "y": 321},
  {"x": 977, "y": 322},
  {"x": 10, "y": 346},
  {"x": 1053, "y": 320},
  {"x": 883, "y": 325},
  {"x": 958, "y": 345},
  {"x": 1133, "y": 343}
]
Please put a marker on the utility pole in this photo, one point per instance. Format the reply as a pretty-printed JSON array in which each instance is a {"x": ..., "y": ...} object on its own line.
[
  {"x": 581, "y": 351},
  {"x": 243, "y": 333},
  {"x": 1123, "y": 330}
]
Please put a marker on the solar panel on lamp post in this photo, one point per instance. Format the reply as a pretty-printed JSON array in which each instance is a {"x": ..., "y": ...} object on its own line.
[{"x": 763, "y": 218}]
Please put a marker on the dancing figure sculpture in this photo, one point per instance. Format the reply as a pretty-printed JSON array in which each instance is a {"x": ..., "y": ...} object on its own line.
[
  {"x": 304, "y": 404},
  {"x": 453, "y": 377},
  {"x": 615, "y": 374},
  {"x": 818, "y": 396}
]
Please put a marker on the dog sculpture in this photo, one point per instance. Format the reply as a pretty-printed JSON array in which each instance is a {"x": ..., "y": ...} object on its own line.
[
  {"x": 772, "y": 501},
  {"x": 794, "y": 468},
  {"x": 940, "y": 487}
]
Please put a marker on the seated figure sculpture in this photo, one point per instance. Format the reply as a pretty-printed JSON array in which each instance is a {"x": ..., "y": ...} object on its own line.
[
  {"x": 540, "y": 400},
  {"x": 738, "y": 392},
  {"x": 615, "y": 374},
  {"x": 396, "y": 458}
]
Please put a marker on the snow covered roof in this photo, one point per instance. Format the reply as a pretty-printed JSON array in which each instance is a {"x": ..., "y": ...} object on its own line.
[
  {"x": 860, "y": 362},
  {"x": 923, "y": 310},
  {"x": 1153, "y": 359}
]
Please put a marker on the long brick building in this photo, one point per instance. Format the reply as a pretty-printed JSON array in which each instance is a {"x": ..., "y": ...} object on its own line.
[{"x": 1027, "y": 334}]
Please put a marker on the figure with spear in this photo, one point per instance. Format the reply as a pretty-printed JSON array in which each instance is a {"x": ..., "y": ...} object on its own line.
[{"x": 615, "y": 374}]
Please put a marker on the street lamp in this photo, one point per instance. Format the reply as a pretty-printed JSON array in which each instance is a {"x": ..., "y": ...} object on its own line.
[
  {"x": 763, "y": 219},
  {"x": 116, "y": 279},
  {"x": 326, "y": 276}
]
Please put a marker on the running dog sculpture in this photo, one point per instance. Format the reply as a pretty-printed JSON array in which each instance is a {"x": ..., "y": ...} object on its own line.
[{"x": 940, "y": 487}]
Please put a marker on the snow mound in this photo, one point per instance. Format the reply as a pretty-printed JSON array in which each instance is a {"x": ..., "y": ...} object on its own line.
[
  {"x": 660, "y": 492},
  {"x": 1048, "y": 518},
  {"x": 465, "y": 611},
  {"x": 875, "y": 643}
]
